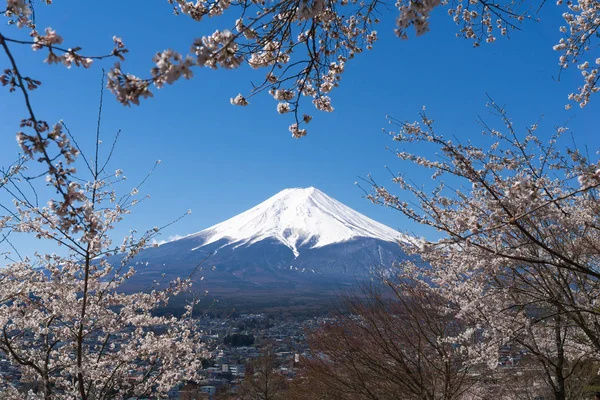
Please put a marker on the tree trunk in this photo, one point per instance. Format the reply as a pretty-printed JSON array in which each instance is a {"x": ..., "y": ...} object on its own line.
[{"x": 560, "y": 391}]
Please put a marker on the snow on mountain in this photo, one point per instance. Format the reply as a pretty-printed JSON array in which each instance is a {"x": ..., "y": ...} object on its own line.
[{"x": 297, "y": 217}]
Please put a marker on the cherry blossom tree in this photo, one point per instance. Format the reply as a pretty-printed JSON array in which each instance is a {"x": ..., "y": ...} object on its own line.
[
  {"x": 303, "y": 45},
  {"x": 520, "y": 240},
  {"x": 66, "y": 325}
]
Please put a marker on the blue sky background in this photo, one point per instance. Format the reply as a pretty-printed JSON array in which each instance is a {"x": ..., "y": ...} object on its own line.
[{"x": 219, "y": 160}]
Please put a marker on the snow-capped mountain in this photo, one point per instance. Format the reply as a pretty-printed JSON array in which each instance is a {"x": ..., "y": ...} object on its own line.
[
  {"x": 297, "y": 218},
  {"x": 297, "y": 238}
]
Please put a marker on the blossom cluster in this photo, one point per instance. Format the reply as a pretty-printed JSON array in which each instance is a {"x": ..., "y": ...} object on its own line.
[
  {"x": 414, "y": 13},
  {"x": 582, "y": 23}
]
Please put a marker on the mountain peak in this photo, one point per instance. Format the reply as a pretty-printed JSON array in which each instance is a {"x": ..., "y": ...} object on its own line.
[
  {"x": 298, "y": 217},
  {"x": 308, "y": 191}
]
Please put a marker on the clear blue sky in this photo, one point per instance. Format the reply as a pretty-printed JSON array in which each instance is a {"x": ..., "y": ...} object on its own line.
[{"x": 220, "y": 160}]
